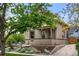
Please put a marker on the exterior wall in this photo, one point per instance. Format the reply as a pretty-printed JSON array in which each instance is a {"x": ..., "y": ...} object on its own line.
[
  {"x": 37, "y": 34},
  {"x": 46, "y": 34},
  {"x": 59, "y": 32}
]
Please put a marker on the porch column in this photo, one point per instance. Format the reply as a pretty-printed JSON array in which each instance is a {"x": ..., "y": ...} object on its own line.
[
  {"x": 59, "y": 32},
  {"x": 51, "y": 33},
  {"x": 65, "y": 34},
  {"x": 38, "y": 34},
  {"x": 27, "y": 34}
]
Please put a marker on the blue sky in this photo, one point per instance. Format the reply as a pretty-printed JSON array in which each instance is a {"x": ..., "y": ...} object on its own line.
[{"x": 56, "y": 7}]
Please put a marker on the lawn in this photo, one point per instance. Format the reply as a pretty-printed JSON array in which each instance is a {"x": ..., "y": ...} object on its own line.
[{"x": 18, "y": 54}]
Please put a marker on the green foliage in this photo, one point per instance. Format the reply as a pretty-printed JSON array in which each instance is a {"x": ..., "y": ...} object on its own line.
[
  {"x": 72, "y": 13},
  {"x": 77, "y": 44},
  {"x": 31, "y": 16},
  {"x": 15, "y": 38},
  {"x": 25, "y": 17},
  {"x": 18, "y": 54},
  {"x": 77, "y": 47},
  {"x": 22, "y": 50},
  {"x": 29, "y": 50},
  {"x": 8, "y": 49}
]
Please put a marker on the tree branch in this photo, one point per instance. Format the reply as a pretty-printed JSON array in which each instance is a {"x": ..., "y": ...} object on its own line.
[{"x": 9, "y": 35}]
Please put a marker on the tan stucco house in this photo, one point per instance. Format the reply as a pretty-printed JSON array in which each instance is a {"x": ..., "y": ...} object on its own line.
[
  {"x": 47, "y": 33},
  {"x": 47, "y": 37}
]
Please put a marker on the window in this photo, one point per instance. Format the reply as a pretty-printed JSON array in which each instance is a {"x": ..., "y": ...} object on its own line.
[{"x": 32, "y": 34}]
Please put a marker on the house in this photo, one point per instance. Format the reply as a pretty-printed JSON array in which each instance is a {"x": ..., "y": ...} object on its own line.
[
  {"x": 47, "y": 33},
  {"x": 47, "y": 37}
]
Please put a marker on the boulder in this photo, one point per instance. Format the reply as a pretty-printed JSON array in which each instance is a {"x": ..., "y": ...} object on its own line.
[{"x": 68, "y": 50}]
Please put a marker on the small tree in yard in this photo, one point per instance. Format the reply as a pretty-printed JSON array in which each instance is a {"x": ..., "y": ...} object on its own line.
[{"x": 15, "y": 38}]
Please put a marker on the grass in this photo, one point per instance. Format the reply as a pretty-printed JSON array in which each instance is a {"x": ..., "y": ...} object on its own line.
[{"x": 17, "y": 54}]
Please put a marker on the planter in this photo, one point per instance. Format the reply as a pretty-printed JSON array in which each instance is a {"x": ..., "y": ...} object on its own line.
[{"x": 72, "y": 40}]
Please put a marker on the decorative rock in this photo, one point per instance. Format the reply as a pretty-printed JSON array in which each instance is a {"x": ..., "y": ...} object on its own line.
[{"x": 68, "y": 50}]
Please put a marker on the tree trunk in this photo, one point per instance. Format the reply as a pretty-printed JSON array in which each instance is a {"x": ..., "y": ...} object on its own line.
[
  {"x": 2, "y": 47},
  {"x": 2, "y": 30}
]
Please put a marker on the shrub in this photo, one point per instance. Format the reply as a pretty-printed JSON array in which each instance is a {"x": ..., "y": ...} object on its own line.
[
  {"x": 18, "y": 49},
  {"x": 15, "y": 38},
  {"x": 29, "y": 50},
  {"x": 22, "y": 50},
  {"x": 8, "y": 49},
  {"x": 77, "y": 47}
]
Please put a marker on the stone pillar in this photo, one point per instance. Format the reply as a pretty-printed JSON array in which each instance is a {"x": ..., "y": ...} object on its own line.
[
  {"x": 27, "y": 37},
  {"x": 38, "y": 34},
  {"x": 65, "y": 34},
  {"x": 27, "y": 34},
  {"x": 51, "y": 33},
  {"x": 59, "y": 32},
  {"x": 46, "y": 34}
]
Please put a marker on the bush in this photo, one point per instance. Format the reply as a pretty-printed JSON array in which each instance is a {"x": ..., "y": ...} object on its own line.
[
  {"x": 22, "y": 50},
  {"x": 8, "y": 49},
  {"x": 18, "y": 49},
  {"x": 15, "y": 38},
  {"x": 29, "y": 50},
  {"x": 77, "y": 47}
]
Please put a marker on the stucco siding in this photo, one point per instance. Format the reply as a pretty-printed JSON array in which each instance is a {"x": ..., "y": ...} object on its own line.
[{"x": 59, "y": 32}]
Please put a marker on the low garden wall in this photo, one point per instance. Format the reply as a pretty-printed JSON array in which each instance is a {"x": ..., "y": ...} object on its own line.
[
  {"x": 46, "y": 41},
  {"x": 42, "y": 44}
]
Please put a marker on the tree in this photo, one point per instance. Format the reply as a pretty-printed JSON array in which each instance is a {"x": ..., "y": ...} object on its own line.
[
  {"x": 2, "y": 28},
  {"x": 72, "y": 13},
  {"x": 15, "y": 38},
  {"x": 25, "y": 17},
  {"x": 30, "y": 17}
]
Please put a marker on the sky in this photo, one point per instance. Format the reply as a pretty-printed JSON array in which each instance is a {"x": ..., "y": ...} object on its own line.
[{"x": 56, "y": 7}]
